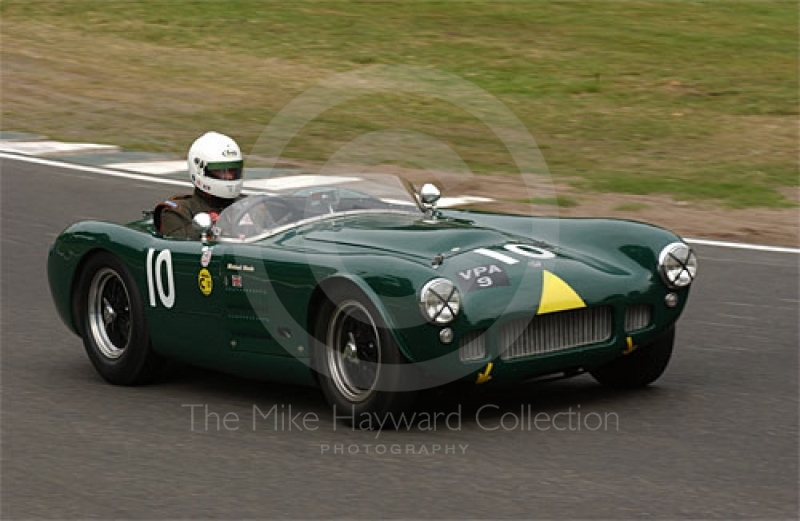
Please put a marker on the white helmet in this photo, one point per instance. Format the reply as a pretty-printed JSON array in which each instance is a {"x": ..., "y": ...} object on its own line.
[{"x": 215, "y": 165}]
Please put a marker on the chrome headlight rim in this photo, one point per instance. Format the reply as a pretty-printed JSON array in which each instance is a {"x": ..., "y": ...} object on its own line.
[
  {"x": 682, "y": 275},
  {"x": 440, "y": 301}
]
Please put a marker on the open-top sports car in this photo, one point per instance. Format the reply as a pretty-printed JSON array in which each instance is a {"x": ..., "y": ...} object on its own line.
[{"x": 363, "y": 287}]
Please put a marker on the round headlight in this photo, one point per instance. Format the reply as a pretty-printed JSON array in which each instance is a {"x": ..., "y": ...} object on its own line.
[
  {"x": 677, "y": 264},
  {"x": 440, "y": 301}
]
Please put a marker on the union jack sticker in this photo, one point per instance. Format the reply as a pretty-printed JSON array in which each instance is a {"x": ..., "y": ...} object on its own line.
[{"x": 236, "y": 281}]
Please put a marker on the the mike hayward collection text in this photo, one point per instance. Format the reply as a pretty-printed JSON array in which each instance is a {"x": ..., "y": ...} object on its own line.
[{"x": 487, "y": 417}]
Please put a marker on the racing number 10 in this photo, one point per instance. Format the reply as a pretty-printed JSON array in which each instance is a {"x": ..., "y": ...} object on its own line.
[{"x": 165, "y": 294}]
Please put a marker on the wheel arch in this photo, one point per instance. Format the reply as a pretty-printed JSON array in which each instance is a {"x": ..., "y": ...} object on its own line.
[
  {"x": 319, "y": 296},
  {"x": 76, "y": 293},
  {"x": 126, "y": 255},
  {"x": 75, "y": 247}
]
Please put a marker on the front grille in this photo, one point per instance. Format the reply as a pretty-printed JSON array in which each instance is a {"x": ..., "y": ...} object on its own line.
[
  {"x": 555, "y": 332},
  {"x": 638, "y": 316},
  {"x": 473, "y": 346}
]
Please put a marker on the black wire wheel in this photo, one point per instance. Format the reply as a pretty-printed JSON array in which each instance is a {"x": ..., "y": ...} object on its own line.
[
  {"x": 111, "y": 317},
  {"x": 354, "y": 351},
  {"x": 109, "y": 313},
  {"x": 361, "y": 370}
]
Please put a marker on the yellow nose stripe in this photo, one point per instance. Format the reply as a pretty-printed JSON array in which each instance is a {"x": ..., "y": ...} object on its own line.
[{"x": 557, "y": 295}]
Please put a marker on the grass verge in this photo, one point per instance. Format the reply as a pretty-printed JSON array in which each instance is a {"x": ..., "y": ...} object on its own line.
[{"x": 698, "y": 100}]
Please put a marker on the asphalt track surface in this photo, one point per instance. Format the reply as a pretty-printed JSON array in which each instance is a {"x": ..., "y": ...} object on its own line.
[{"x": 715, "y": 437}]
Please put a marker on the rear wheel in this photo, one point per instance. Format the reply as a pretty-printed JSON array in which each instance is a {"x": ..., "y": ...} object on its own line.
[
  {"x": 113, "y": 323},
  {"x": 639, "y": 368},
  {"x": 362, "y": 372}
]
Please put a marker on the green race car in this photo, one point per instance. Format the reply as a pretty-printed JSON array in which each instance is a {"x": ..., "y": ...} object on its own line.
[{"x": 363, "y": 287}]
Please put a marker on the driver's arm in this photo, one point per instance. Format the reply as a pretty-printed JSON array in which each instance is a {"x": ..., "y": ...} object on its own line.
[{"x": 176, "y": 225}]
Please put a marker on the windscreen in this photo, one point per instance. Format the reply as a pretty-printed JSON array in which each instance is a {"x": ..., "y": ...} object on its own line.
[{"x": 293, "y": 200}]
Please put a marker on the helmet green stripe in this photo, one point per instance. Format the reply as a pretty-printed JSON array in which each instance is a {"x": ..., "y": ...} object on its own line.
[{"x": 223, "y": 165}]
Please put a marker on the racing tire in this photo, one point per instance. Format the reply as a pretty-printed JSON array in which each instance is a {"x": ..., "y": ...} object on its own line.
[
  {"x": 113, "y": 324},
  {"x": 362, "y": 372},
  {"x": 639, "y": 368}
]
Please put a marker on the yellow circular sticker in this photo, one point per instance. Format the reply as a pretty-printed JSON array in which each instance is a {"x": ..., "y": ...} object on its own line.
[{"x": 205, "y": 282}]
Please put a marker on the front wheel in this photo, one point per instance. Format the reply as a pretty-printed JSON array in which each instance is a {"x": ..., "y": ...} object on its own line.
[
  {"x": 362, "y": 373},
  {"x": 639, "y": 368},
  {"x": 113, "y": 324}
]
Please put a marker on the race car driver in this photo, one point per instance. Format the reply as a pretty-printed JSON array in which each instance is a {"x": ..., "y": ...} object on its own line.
[{"x": 215, "y": 167}]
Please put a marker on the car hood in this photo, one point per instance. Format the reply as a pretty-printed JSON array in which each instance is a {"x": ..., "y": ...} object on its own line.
[
  {"x": 494, "y": 269},
  {"x": 405, "y": 236},
  {"x": 424, "y": 241}
]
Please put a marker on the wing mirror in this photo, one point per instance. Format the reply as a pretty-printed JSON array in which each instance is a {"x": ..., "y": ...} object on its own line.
[
  {"x": 428, "y": 196},
  {"x": 202, "y": 224}
]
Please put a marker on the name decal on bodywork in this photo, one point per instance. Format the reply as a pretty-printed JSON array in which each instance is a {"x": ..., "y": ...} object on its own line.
[{"x": 240, "y": 267}]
